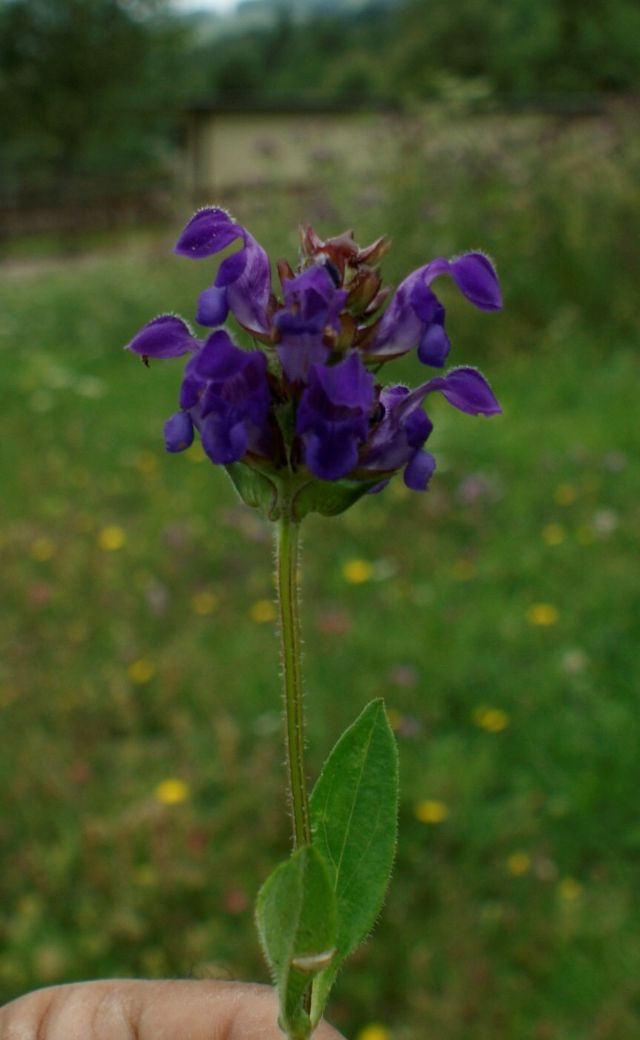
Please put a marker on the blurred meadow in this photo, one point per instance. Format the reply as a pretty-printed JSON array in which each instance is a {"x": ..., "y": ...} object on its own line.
[{"x": 498, "y": 615}]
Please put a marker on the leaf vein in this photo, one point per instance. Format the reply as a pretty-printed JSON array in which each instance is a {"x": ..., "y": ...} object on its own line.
[
  {"x": 372, "y": 835},
  {"x": 365, "y": 755}
]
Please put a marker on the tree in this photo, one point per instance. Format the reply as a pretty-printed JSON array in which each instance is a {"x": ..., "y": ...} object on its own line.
[{"x": 81, "y": 83}]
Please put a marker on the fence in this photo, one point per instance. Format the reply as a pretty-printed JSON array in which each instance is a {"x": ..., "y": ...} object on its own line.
[{"x": 74, "y": 204}]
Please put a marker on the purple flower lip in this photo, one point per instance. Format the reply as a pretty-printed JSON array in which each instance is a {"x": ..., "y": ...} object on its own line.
[
  {"x": 178, "y": 432},
  {"x": 303, "y": 403},
  {"x": 166, "y": 336},
  {"x": 416, "y": 316},
  {"x": 399, "y": 439},
  {"x": 333, "y": 417},
  {"x": 309, "y": 322},
  {"x": 244, "y": 279}
]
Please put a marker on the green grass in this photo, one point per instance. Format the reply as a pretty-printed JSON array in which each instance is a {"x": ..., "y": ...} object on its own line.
[{"x": 517, "y": 914}]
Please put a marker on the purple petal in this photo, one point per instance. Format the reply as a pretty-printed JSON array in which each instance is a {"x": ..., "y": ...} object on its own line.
[
  {"x": 403, "y": 429},
  {"x": 333, "y": 416},
  {"x": 414, "y": 305},
  {"x": 315, "y": 296},
  {"x": 401, "y": 327},
  {"x": 425, "y": 302},
  {"x": 312, "y": 304},
  {"x": 466, "y": 389},
  {"x": 231, "y": 268},
  {"x": 377, "y": 488},
  {"x": 249, "y": 389},
  {"x": 475, "y": 276},
  {"x": 417, "y": 428},
  {"x": 330, "y": 453},
  {"x": 246, "y": 274},
  {"x": 224, "y": 437},
  {"x": 249, "y": 294},
  {"x": 164, "y": 337},
  {"x": 178, "y": 432},
  {"x": 390, "y": 396},
  {"x": 212, "y": 307},
  {"x": 347, "y": 385},
  {"x": 191, "y": 390},
  {"x": 434, "y": 346},
  {"x": 314, "y": 278},
  {"x": 219, "y": 359},
  {"x": 298, "y": 351},
  {"x": 209, "y": 231},
  {"x": 419, "y": 471}
]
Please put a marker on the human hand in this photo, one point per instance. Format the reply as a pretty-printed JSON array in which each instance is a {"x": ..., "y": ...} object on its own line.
[{"x": 131, "y": 1009}]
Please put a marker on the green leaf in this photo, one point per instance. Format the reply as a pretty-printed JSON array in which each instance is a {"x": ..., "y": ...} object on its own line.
[
  {"x": 282, "y": 492},
  {"x": 330, "y": 497},
  {"x": 354, "y": 817},
  {"x": 254, "y": 488},
  {"x": 296, "y": 917}
]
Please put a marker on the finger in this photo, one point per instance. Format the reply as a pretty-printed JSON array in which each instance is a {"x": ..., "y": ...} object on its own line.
[{"x": 123, "y": 1009}]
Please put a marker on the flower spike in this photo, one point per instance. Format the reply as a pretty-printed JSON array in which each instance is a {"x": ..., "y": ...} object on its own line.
[{"x": 302, "y": 411}]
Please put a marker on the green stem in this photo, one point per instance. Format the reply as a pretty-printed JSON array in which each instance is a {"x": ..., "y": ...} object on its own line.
[{"x": 287, "y": 585}]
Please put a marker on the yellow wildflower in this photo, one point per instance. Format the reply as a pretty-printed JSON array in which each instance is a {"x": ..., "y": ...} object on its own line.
[
  {"x": 141, "y": 671},
  {"x": 42, "y": 549},
  {"x": 111, "y": 538},
  {"x": 569, "y": 890},
  {"x": 565, "y": 494},
  {"x": 494, "y": 720},
  {"x": 263, "y": 611},
  {"x": 172, "y": 792},
  {"x": 431, "y": 811},
  {"x": 518, "y": 863},
  {"x": 374, "y": 1031},
  {"x": 542, "y": 614},
  {"x": 145, "y": 875},
  {"x": 553, "y": 534},
  {"x": 395, "y": 719},
  {"x": 204, "y": 602},
  {"x": 356, "y": 572}
]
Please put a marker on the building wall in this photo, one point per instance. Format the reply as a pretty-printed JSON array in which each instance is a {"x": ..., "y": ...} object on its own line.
[{"x": 228, "y": 150}]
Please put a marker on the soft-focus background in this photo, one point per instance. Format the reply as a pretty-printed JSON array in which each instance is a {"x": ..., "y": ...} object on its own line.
[{"x": 499, "y": 616}]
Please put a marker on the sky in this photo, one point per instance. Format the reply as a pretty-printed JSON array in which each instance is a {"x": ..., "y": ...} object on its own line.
[{"x": 204, "y": 5}]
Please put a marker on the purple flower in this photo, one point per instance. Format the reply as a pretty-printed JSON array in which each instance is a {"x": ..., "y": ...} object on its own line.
[
  {"x": 333, "y": 417},
  {"x": 302, "y": 418},
  {"x": 243, "y": 282},
  {"x": 415, "y": 315},
  {"x": 309, "y": 321},
  {"x": 226, "y": 393},
  {"x": 178, "y": 432},
  {"x": 164, "y": 337},
  {"x": 399, "y": 438}
]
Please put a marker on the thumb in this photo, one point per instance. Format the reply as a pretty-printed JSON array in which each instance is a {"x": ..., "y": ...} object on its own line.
[{"x": 131, "y": 1009}]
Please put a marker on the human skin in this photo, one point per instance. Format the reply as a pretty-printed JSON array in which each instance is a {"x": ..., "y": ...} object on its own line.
[{"x": 131, "y": 1009}]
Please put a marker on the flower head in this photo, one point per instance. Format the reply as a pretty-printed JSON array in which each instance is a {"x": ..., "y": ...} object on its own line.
[{"x": 301, "y": 417}]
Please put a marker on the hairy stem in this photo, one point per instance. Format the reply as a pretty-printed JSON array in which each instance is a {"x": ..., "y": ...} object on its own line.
[{"x": 287, "y": 552}]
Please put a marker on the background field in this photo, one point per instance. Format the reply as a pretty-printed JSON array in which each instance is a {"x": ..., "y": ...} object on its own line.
[{"x": 498, "y": 615}]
